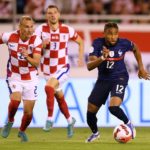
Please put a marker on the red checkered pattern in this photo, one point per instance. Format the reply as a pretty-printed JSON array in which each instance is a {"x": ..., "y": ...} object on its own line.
[
  {"x": 18, "y": 66},
  {"x": 55, "y": 54}
]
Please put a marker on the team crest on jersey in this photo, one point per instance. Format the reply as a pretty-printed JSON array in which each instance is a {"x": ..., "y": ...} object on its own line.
[
  {"x": 120, "y": 52},
  {"x": 111, "y": 53},
  {"x": 14, "y": 86}
]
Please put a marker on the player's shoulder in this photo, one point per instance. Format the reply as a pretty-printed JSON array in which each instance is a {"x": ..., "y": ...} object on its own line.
[
  {"x": 39, "y": 27},
  {"x": 62, "y": 25},
  {"x": 12, "y": 34},
  {"x": 124, "y": 40},
  {"x": 98, "y": 40}
]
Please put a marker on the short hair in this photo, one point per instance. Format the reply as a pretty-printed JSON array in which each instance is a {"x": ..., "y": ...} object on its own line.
[
  {"x": 52, "y": 6},
  {"x": 25, "y": 18},
  {"x": 110, "y": 25}
]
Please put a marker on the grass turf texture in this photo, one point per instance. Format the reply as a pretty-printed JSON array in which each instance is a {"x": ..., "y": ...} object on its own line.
[{"x": 57, "y": 140}]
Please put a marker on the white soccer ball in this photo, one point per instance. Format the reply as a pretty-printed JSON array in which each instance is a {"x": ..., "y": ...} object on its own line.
[{"x": 122, "y": 133}]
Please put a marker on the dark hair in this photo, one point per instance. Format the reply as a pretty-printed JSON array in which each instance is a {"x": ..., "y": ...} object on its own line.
[
  {"x": 52, "y": 6},
  {"x": 110, "y": 25}
]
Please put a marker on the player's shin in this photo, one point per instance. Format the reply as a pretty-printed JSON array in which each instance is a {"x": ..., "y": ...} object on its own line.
[
  {"x": 12, "y": 109},
  {"x": 119, "y": 113},
  {"x": 26, "y": 119},
  {"x": 50, "y": 100},
  {"x": 92, "y": 121},
  {"x": 63, "y": 106}
]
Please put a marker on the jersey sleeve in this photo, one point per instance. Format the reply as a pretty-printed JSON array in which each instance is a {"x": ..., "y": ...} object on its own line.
[
  {"x": 95, "y": 49},
  {"x": 38, "y": 31},
  {"x": 37, "y": 45},
  {"x": 129, "y": 45},
  {"x": 5, "y": 37},
  {"x": 72, "y": 33}
]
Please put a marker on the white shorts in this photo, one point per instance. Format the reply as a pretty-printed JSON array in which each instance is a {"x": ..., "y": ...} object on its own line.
[
  {"x": 28, "y": 89},
  {"x": 61, "y": 75}
]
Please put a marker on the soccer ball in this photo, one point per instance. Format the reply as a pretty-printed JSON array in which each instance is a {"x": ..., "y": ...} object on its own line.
[{"x": 122, "y": 133}]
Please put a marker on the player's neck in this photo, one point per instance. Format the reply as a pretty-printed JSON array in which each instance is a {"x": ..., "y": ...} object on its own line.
[
  {"x": 23, "y": 38},
  {"x": 54, "y": 27}
]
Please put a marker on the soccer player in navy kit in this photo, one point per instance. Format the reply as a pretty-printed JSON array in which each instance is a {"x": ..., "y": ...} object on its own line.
[{"x": 108, "y": 57}]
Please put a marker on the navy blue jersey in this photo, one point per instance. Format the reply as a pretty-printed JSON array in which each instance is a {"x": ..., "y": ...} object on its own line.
[{"x": 113, "y": 67}]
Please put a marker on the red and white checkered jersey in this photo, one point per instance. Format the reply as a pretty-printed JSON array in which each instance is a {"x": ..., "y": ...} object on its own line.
[
  {"x": 55, "y": 54},
  {"x": 18, "y": 67}
]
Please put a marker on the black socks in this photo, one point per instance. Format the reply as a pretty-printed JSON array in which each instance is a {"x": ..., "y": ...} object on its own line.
[
  {"x": 119, "y": 113},
  {"x": 92, "y": 121}
]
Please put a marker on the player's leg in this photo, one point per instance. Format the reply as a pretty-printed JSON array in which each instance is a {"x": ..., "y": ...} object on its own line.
[
  {"x": 92, "y": 122},
  {"x": 117, "y": 95},
  {"x": 62, "y": 76},
  {"x": 97, "y": 97},
  {"x": 29, "y": 96},
  {"x": 50, "y": 87},
  {"x": 28, "y": 106},
  {"x": 15, "y": 99},
  {"x": 65, "y": 111}
]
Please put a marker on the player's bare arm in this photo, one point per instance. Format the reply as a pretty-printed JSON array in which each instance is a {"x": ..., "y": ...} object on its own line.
[
  {"x": 95, "y": 61},
  {"x": 79, "y": 41},
  {"x": 142, "y": 74}
]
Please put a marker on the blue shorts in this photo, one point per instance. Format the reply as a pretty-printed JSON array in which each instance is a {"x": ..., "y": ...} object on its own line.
[{"x": 103, "y": 88}]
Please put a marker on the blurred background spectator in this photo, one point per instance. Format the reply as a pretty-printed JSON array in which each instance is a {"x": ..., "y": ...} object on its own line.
[
  {"x": 5, "y": 8},
  {"x": 36, "y": 8}
]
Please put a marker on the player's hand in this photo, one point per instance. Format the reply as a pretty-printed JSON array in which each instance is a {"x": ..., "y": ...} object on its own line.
[
  {"x": 142, "y": 74},
  {"x": 105, "y": 52},
  {"x": 24, "y": 52},
  {"x": 45, "y": 43}
]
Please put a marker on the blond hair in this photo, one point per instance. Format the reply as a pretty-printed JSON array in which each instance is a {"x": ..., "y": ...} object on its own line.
[{"x": 25, "y": 18}]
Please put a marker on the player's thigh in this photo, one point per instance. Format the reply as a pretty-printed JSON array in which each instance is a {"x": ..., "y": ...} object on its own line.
[
  {"x": 118, "y": 89},
  {"x": 15, "y": 89},
  {"x": 57, "y": 79},
  {"x": 28, "y": 106},
  {"x": 100, "y": 93},
  {"x": 59, "y": 94},
  {"x": 62, "y": 76}
]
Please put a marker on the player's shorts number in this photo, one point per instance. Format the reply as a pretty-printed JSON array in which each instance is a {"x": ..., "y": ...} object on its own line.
[{"x": 119, "y": 88}]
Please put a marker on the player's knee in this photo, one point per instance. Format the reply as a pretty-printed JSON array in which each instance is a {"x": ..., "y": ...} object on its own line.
[
  {"x": 48, "y": 89},
  {"x": 113, "y": 109}
]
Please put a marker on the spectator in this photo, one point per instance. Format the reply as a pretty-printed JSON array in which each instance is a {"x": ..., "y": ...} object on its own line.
[{"x": 35, "y": 8}]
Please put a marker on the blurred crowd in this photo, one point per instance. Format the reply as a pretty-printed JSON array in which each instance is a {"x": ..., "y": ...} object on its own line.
[{"x": 36, "y": 8}]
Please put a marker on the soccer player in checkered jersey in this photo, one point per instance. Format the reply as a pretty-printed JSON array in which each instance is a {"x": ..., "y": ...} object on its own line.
[
  {"x": 108, "y": 57},
  {"x": 54, "y": 65},
  {"x": 22, "y": 76}
]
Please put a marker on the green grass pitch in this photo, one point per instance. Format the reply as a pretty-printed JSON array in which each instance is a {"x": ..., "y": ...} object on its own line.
[{"x": 57, "y": 140}]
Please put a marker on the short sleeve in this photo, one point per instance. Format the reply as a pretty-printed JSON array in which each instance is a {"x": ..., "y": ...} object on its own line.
[
  {"x": 38, "y": 31},
  {"x": 129, "y": 45},
  {"x": 72, "y": 33},
  {"x": 5, "y": 37},
  {"x": 37, "y": 45},
  {"x": 95, "y": 48}
]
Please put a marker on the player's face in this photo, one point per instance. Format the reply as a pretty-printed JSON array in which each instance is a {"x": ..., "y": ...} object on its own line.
[
  {"x": 26, "y": 29},
  {"x": 111, "y": 36},
  {"x": 52, "y": 15}
]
